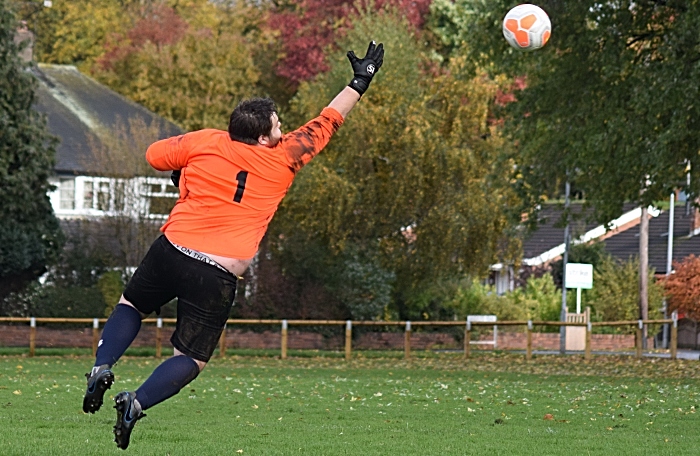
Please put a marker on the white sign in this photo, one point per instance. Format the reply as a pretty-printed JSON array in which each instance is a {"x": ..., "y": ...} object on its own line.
[
  {"x": 579, "y": 275},
  {"x": 480, "y": 318}
]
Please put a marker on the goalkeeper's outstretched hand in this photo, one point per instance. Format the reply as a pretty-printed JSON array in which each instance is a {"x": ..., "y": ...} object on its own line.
[{"x": 365, "y": 68}]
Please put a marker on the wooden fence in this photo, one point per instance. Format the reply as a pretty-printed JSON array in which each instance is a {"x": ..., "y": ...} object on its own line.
[{"x": 407, "y": 325}]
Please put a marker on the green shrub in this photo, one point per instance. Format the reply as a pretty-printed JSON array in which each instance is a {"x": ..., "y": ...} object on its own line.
[
  {"x": 615, "y": 293},
  {"x": 475, "y": 298},
  {"x": 539, "y": 298},
  {"x": 110, "y": 285},
  {"x": 69, "y": 302}
]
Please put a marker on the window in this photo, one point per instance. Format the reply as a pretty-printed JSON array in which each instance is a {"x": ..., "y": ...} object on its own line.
[
  {"x": 66, "y": 189},
  {"x": 160, "y": 196},
  {"x": 161, "y": 205},
  {"x": 88, "y": 195},
  {"x": 103, "y": 195}
]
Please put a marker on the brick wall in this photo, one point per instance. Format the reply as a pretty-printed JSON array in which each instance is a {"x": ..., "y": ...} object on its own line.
[
  {"x": 53, "y": 337},
  {"x": 550, "y": 341}
]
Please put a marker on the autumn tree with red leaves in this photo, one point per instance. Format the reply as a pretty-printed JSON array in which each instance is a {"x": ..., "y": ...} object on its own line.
[
  {"x": 683, "y": 287},
  {"x": 307, "y": 27},
  {"x": 159, "y": 25}
]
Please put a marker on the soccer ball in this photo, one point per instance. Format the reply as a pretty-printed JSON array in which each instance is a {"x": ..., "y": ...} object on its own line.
[{"x": 527, "y": 27}]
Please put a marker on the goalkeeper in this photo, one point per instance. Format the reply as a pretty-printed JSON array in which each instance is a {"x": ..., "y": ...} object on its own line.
[{"x": 230, "y": 186}]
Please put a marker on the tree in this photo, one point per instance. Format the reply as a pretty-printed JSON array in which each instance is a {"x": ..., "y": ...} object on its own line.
[
  {"x": 593, "y": 253},
  {"x": 191, "y": 73},
  {"x": 609, "y": 102},
  {"x": 414, "y": 178},
  {"x": 73, "y": 32},
  {"x": 30, "y": 236},
  {"x": 615, "y": 293},
  {"x": 683, "y": 287},
  {"x": 307, "y": 28},
  {"x": 119, "y": 157}
]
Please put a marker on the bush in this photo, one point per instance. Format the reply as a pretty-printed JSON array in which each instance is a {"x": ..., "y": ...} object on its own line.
[
  {"x": 110, "y": 285},
  {"x": 79, "y": 285},
  {"x": 70, "y": 302},
  {"x": 683, "y": 287},
  {"x": 615, "y": 293},
  {"x": 540, "y": 299},
  {"x": 474, "y": 298},
  {"x": 39, "y": 300}
]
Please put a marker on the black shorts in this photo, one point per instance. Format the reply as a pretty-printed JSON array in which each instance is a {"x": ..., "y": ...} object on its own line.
[{"x": 204, "y": 295}]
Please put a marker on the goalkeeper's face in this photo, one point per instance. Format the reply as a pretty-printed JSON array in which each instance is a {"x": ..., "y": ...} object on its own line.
[{"x": 276, "y": 132}]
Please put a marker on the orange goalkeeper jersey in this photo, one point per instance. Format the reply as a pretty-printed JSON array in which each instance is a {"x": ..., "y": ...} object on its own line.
[{"x": 229, "y": 190}]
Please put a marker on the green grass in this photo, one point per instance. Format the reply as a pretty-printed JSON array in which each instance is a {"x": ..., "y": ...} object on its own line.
[{"x": 433, "y": 405}]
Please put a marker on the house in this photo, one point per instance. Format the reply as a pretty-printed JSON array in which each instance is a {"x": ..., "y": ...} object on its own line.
[
  {"x": 621, "y": 240},
  {"x": 546, "y": 243},
  {"x": 686, "y": 227},
  {"x": 87, "y": 116}
]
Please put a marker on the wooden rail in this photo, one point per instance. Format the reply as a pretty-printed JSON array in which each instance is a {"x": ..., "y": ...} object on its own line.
[{"x": 408, "y": 326}]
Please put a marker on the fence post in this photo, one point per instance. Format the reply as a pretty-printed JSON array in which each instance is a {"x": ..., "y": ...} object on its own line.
[
  {"x": 284, "y": 339},
  {"x": 589, "y": 330},
  {"x": 222, "y": 343},
  {"x": 467, "y": 340},
  {"x": 528, "y": 352},
  {"x": 348, "y": 340},
  {"x": 159, "y": 337},
  {"x": 407, "y": 341},
  {"x": 95, "y": 335},
  {"x": 639, "y": 340},
  {"x": 674, "y": 335},
  {"x": 32, "y": 336},
  {"x": 495, "y": 337}
]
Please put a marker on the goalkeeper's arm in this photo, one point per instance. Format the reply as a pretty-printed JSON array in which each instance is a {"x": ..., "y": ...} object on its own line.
[{"x": 364, "y": 70}]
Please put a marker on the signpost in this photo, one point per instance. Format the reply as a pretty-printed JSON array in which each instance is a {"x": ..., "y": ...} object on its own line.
[{"x": 579, "y": 276}]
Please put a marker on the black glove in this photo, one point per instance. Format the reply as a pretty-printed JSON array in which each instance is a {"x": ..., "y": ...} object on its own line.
[
  {"x": 175, "y": 177},
  {"x": 367, "y": 67}
]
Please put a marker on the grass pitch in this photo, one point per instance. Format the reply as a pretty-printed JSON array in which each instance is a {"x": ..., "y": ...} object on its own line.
[{"x": 432, "y": 405}]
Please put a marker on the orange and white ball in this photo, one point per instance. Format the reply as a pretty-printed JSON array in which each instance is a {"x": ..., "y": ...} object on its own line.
[{"x": 527, "y": 27}]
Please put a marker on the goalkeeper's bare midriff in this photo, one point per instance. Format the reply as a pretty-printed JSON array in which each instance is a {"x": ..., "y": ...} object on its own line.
[{"x": 235, "y": 266}]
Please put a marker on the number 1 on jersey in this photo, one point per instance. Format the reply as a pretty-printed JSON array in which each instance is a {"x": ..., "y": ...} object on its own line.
[{"x": 240, "y": 177}]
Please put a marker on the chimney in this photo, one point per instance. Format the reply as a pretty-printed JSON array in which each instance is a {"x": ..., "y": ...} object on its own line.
[{"x": 24, "y": 34}]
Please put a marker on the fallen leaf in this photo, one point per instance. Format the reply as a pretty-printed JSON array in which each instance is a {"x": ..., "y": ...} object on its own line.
[{"x": 548, "y": 417}]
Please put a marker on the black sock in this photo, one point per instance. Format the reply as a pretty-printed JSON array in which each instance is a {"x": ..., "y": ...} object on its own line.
[
  {"x": 120, "y": 330},
  {"x": 167, "y": 380}
]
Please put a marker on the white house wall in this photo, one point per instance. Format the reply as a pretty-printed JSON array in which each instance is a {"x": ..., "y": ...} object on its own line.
[{"x": 143, "y": 188}]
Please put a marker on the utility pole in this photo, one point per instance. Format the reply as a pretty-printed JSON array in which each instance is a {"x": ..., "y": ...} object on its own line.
[
  {"x": 644, "y": 271},
  {"x": 562, "y": 329},
  {"x": 669, "y": 263}
]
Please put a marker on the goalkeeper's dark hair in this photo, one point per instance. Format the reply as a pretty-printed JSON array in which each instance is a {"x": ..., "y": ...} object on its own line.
[{"x": 251, "y": 119}]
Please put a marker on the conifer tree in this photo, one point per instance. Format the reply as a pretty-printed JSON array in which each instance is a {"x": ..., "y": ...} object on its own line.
[{"x": 29, "y": 231}]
